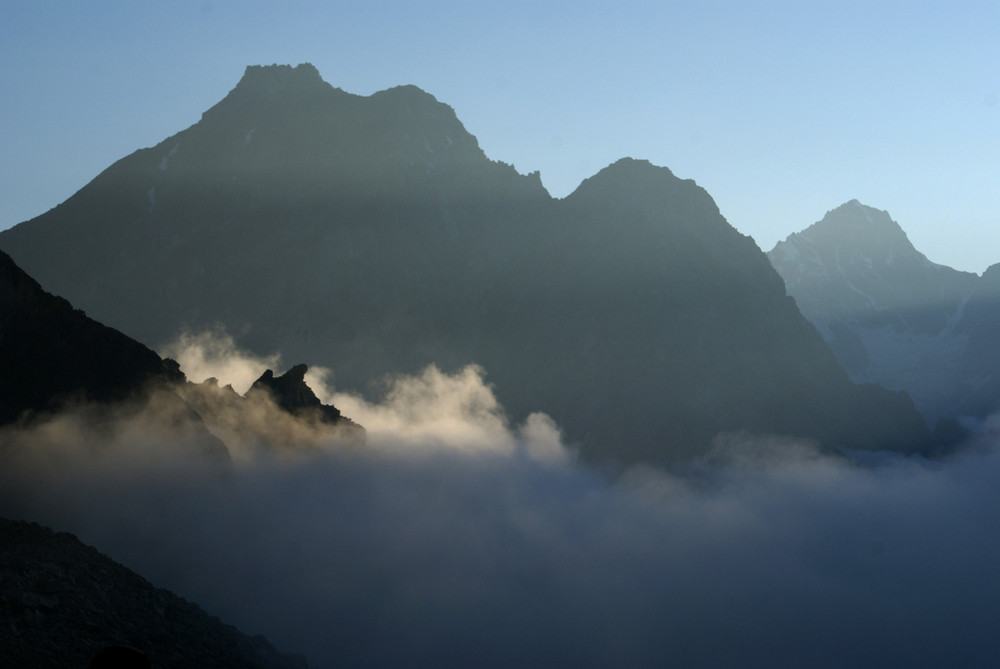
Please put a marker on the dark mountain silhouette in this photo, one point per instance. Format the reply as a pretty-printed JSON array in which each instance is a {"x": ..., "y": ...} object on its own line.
[
  {"x": 373, "y": 236},
  {"x": 292, "y": 394},
  {"x": 62, "y": 601},
  {"x": 891, "y": 316},
  {"x": 51, "y": 353}
]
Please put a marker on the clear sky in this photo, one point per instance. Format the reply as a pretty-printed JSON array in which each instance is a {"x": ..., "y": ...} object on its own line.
[{"x": 781, "y": 110}]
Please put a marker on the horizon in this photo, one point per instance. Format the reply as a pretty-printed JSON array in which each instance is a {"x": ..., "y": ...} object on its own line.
[{"x": 782, "y": 113}]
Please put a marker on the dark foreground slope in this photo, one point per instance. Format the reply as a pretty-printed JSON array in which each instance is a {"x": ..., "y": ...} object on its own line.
[
  {"x": 892, "y": 316},
  {"x": 61, "y": 601},
  {"x": 373, "y": 236}
]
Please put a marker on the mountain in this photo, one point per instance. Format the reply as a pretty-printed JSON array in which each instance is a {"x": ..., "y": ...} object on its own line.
[
  {"x": 62, "y": 601},
  {"x": 373, "y": 236},
  {"x": 890, "y": 315},
  {"x": 53, "y": 357},
  {"x": 51, "y": 353}
]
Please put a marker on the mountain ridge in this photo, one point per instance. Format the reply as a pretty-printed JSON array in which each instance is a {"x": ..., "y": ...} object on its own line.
[{"x": 374, "y": 238}]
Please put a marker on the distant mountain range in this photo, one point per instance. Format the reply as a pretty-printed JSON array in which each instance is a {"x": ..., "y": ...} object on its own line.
[
  {"x": 373, "y": 236},
  {"x": 894, "y": 318}
]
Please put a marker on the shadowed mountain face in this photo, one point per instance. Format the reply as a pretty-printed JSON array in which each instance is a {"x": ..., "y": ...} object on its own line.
[
  {"x": 52, "y": 353},
  {"x": 373, "y": 236},
  {"x": 891, "y": 316}
]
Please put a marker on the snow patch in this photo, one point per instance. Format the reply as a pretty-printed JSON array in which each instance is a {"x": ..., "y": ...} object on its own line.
[
  {"x": 166, "y": 158},
  {"x": 248, "y": 136},
  {"x": 151, "y": 196}
]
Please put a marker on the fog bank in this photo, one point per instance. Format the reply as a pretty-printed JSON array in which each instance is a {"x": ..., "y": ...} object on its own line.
[{"x": 456, "y": 539}]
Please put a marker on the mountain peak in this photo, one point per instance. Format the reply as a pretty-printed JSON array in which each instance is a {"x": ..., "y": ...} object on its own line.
[
  {"x": 631, "y": 178},
  {"x": 277, "y": 76},
  {"x": 852, "y": 231},
  {"x": 653, "y": 192},
  {"x": 860, "y": 221},
  {"x": 632, "y": 168}
]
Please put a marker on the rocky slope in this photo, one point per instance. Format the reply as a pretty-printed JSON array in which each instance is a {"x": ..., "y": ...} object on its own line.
[
  {"x": 372, "y": 235},
  {"x": 62, "y": 601}
]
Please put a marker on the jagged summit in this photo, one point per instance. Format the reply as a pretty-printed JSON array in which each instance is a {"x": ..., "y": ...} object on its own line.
[{"x": 291, "y": 392}]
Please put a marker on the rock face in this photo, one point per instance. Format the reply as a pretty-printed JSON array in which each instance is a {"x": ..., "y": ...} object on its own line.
[
  {"x": 890, "y": 315},
  {"x": 371, "y": 235},
  {"x": 293, "y": 395},
  {"x": 62, "y": 601}
]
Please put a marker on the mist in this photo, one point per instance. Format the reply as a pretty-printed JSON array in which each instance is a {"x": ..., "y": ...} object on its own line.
[{"x": 456, "y": 538}]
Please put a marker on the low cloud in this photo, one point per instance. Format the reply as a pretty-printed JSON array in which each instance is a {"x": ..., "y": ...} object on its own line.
[{"x": 456, "y": 539}]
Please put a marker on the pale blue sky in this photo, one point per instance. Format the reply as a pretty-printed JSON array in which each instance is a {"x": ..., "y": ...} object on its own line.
[{"x": 781, "y": 110}]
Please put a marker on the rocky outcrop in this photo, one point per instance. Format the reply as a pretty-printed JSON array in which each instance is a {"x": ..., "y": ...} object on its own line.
[
  {"x": 293, "y": 395},
  {"x": 277, "y": 413},
  {"x": 61, "y": 602}
]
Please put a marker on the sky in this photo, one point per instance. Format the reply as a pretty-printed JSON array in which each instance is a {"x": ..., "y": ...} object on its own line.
[{"x": 782, "y": 111}]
